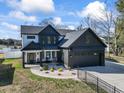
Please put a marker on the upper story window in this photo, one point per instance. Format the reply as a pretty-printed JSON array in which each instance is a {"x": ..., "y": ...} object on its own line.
[
  {"x": 49, "y": 39},
  {"x": 30, "y": 37},
  {"x": 54, "y": 40}
]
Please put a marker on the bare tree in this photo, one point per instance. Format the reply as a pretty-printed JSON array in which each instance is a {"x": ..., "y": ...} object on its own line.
[
  {"x": 88, "y": 22},
  {"x": 117, "y": 32}
]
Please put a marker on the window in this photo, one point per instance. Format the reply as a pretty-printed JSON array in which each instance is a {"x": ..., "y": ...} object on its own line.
[
  {"x": 49, "y": 40},
  {"x": 53, "y": 54},
  {"x": 42, "y": 40},
  {"x": 30, "y": 37},
  {"x": 88, "y": 38},
  {"x": 54, "y": 40}
]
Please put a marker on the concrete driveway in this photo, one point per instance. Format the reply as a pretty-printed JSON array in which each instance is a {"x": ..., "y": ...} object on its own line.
[{"x": 113, "y": 73}]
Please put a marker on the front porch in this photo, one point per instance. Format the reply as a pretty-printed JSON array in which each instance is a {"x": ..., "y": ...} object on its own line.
[{"x": 38, "y": 56}]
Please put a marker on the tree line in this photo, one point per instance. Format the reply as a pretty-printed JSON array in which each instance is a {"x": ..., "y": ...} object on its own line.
[{"x": 10, "y": 42}]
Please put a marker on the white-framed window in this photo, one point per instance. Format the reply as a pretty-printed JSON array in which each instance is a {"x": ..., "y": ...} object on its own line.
[
  {"x": 54, "y": 39},
  {"x": 30, "y": 37},
  {"x": 49, "y": 39}
]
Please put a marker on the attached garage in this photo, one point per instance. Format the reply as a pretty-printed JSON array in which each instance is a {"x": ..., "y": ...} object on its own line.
[
  {"x": 81, "y": 58},
  {"x": 83, "y": 48}
]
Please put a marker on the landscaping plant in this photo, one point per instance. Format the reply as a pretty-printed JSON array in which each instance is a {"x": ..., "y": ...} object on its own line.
[
  {"x": 45, "y": 67},
  {"x": 60, "y": 69},
  {"x": 52, "y": 69}
]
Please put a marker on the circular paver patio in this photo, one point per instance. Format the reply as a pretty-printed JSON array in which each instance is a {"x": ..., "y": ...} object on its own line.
[{"x": 65, "y": 74}]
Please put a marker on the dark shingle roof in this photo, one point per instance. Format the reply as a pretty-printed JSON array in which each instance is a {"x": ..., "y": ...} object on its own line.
[
  {"x": 36, "y": 29},
  {"x": 64, "y": 31},
  {"x": 31, "y": 29},
  {"x": 71, "y": 37},
  {"x": 37, "y": 46}
]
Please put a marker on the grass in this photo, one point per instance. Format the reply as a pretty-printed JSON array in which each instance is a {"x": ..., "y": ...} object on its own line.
[
  {"x": 26, "y": 82},
  {"x": 15, "y": 62},
  {"x": 1, "y": 55}
]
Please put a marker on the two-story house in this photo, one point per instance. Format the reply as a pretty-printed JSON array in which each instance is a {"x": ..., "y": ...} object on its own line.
[{"x": 72, "y": 48}]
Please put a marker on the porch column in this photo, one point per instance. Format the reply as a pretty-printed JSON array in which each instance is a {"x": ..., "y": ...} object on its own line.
[
  {"x": 56, "y": 55},
  {"x": 51, "y": 55},
  {"x": 25, "y": 57}
]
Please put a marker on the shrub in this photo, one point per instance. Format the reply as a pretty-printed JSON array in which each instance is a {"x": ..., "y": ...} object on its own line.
[
  {"x": 41, "y": 69},
  {"x": 60, "y": 69},
  {"x": 52, "y": 69},
  {"x": 59, "y": 74},
  {"x": 45, "y": 67}
]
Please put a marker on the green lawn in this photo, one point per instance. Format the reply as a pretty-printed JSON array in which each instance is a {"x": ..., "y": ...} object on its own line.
[
  {"x": 26, "y": 82},
  {"x": 1, "y": 55}
]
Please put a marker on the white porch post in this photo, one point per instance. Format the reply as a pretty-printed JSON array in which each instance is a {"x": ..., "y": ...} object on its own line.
[
  {"x": 25, "y": 57},
  {"x": 44, "y": 55},
  {"x": 51, "y": 55},
  {"x": 56, "y": 55}
]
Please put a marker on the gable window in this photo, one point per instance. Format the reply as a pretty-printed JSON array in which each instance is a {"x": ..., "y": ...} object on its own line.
[
  {"x": 49, "y": 40},
  {"x": 30, "y": 37},
  {"x": 43, "y": 40},
  {"x": 54, "y": 40}
]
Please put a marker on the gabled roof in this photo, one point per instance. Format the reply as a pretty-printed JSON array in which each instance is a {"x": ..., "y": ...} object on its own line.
[
  {"x": 70, "y": 37},
  {"x": 73, "y": 36},
  {"x": 36, "y": 46},
  {"x": 64, "y": 31},
  {"x": 32, "y": 46},
  {"x": 31, "y": 29},
  {"x": 25, "y": 29}
]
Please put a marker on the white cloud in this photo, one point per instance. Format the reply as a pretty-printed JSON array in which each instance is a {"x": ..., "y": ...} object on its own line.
[
  {"x": 10, "y": 26},
  {"x": 72, "y": 13},
  {"x": 21, "y": 16},
  {"x": 33, "y": 5},
  {"x": 94, "y": 9},
  {"x": 57, "y": 20},
  {"x": 71, "y": 27}
]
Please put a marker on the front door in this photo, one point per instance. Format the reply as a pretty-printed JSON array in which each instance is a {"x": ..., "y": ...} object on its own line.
[{"x": 48, "y": 55}]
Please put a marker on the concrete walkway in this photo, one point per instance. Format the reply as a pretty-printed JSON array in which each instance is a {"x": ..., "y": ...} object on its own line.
[{"x": 112, "y": 73}]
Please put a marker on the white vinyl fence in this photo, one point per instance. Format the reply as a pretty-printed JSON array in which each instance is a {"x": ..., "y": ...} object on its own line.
[{"x": 13, "y": 53}]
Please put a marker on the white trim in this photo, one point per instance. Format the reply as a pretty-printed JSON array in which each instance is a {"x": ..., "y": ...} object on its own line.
[
  {"x": 25, "y": 57},
  {"x": 51, "y": 50},
  {"x": 55, "y": 54},
  {"x": 33, "y": 51},
  {"x": 38, "y": 50}
]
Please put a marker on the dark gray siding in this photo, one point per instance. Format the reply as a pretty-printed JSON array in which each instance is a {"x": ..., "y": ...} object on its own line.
[
  {"x": 51, "y": 32},
  {"x": 87, "y": 39},
  {"x": 59, "y": 56},
  {"x": 87, "y": 50}
]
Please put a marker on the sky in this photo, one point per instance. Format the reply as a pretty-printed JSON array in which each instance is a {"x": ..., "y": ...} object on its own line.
[{"x": 14, "y": 13}]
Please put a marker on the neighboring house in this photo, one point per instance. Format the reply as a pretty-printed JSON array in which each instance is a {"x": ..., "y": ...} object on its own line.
[{"x": 73, "y": 48}]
